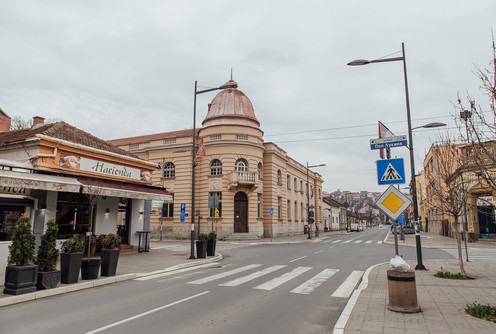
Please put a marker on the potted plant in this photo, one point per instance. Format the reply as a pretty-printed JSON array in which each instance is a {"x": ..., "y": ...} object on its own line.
[
  {"x": 201, "y": 246},
  {"x": 70, "y": 260},
  {"x": 90, "y": 266},
  {"x": 21, "y": 275},
  {"x": 211, "y": 243},
  {"x": 110, "y": 254},
  {"x": 48, "y": 256}
]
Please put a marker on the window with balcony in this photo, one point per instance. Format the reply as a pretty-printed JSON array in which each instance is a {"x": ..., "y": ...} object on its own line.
[{"x": 241, "y": 165}]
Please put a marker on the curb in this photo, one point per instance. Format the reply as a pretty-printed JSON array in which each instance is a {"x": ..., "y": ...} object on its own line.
[
  {"x": 11, "y": 300},
  {"x": 345, "y": 315}
]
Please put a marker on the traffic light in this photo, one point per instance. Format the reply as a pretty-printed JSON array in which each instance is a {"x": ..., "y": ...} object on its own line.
[{"x": 311, "y": 220}]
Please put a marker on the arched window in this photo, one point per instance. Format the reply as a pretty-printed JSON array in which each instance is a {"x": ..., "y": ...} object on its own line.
[
  {"x": 241, "y": 165},
  {"x": 279, "y": 177},
  {"x": 260, "y": 173},
  {"x": 169, "y": 170},
  {"x": 215, "y": 167}
]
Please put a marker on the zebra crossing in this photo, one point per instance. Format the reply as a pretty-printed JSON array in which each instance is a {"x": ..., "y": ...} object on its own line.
[
  {"x": 351, "y": 240},
  {"x": 285, "y": 275},
  {"x": 473, "y": 253}
]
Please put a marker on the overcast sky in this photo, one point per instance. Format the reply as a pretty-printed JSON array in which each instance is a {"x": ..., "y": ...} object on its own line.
[{"x": 127, "y": 68}]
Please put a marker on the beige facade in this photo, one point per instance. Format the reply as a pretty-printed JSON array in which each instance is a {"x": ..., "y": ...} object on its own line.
[{"x": 249, "y": 175}]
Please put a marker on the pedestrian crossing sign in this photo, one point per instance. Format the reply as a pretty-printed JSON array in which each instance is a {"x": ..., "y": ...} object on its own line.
[{"x": 390, "y": 171}]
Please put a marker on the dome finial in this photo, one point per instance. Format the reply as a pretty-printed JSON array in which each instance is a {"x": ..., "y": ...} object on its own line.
[{"x": 231, "y": 74}]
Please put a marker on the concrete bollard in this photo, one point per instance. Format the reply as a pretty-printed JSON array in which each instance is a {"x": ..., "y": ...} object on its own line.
[{"x": 402, "y": 291}]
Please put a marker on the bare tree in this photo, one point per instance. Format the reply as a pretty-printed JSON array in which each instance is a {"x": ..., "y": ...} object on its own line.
[
  {"x": 449, "y": 187},
  {"x": 93, "y": 192},
  {"x": 17, "y": 123}
]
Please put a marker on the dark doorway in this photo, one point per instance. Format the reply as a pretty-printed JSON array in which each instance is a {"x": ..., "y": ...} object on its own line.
[
  {"x": 123, "y": 220},
  {"x": 487, "y": 226},
  {"x": 240, "y": 213}
]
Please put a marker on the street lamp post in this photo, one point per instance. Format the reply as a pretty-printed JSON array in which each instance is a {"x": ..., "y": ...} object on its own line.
[
  {"x": 308, "y": 200},
  {"x": 193, "y": 164},
  {"x": 162, "y": 213},
  {"x": 419, "y": 265}
]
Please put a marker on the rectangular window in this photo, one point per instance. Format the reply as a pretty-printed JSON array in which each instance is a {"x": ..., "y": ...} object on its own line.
[
  {"x": 302, "y": 213},
  {"x": 288, "y": 210},
  {"x": 279, "y": 207},
  {"x": 169, "y": 141},
  {"x": 295, "y": 187},
  {"x": 301, "y": 186},
  {"x": 168, "y": 210},
  {"x": 212, "y": 210},
  {"x": 288, "y": 181},
  {"x": 296, "y": 212},
  {"x": 259, "y": 205}
]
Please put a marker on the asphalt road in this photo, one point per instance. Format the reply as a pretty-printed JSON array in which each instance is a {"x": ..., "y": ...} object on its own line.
[{"x": 268, "y": 288}]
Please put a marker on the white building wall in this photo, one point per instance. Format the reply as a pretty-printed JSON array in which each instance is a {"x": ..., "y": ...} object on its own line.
[
  {"x": 136, "y": 220},
  {"x": 106, "y": 223}
]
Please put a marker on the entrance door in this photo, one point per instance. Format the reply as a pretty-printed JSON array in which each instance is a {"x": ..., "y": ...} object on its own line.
[
  {"x": 123, "y": 220},
  {"x": 487, "y": 226},
  {"x": 240, "y": 213}
]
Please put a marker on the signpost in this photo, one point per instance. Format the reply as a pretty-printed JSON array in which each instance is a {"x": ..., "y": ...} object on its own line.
[
  {"x": 390, "y": 171},
  {"x": 213, "y": 203},
  {"x": 388, "y": 142},
  {"x": 271, "y": 214}
]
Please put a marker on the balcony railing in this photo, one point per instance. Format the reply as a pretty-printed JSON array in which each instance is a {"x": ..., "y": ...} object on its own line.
[{"x": 242, "y": 179}]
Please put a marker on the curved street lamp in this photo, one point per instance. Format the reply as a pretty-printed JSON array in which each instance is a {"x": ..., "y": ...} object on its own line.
[
  {"x": 193, "y": 165},
  {"x": 358, "y": 62}
]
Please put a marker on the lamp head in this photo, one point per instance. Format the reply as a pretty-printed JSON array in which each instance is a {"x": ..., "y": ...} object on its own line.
[{"x": 358, "y": 62}]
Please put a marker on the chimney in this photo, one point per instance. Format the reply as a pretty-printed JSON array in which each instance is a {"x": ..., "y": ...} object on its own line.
[
  {"x": 5, "y": 121},
  {"x": 37, "y": 122}
]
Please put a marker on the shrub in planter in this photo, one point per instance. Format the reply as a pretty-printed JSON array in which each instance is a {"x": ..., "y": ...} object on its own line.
[
  {"x": 211, "y": 243},
  {"x": 70, "y": 260},
  {"x": 21, "y": 275},
  {"x": 110, "y": 254},
  {"x": 201, "y": 246},
  {"x": 48, "y": 256}
]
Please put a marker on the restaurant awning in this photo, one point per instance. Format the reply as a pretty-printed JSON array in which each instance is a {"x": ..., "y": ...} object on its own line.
[
  {"x": 29, "y": 180},
  {"x": 126, "y": 190}
]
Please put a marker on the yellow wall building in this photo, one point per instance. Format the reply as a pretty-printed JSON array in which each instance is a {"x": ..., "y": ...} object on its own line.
[{"x": 248, "y": 175}]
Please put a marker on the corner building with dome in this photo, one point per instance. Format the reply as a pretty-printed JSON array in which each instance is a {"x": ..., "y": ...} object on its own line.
[{"x": 247, "y": 175}]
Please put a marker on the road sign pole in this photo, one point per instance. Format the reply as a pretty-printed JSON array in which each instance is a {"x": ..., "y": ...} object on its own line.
[{"x": 395, "y": 224}]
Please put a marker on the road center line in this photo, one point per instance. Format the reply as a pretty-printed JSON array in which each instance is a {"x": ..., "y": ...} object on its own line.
[
  {"x": 320, "y": 251},
  {"x": 98, "y": 330},
  {"x": 298, "y": 259}
]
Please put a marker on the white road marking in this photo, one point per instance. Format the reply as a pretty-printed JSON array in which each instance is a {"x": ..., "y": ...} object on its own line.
[
  {"x": 347, "y": 287},
  {"x": 320, "y": 251},
  {"x": 224, "y": 274},
  {"x": 346, "y": 241},
  {"x": 167, "y": 273},
  {"x": 298, "y": 259},
  {"x": 250, "y": 277},
  {"x": 332, "y": 247},
  {"x": 336, "y": 241},
  {"x": 282, "y": 279},
  {"x": 379, "y": 242},
  {"x": 316, "y": 281},
  {"x": 101, "y": 329},
  {"x": 358, "y": 241},
  {"x": 368, "y": 241}
]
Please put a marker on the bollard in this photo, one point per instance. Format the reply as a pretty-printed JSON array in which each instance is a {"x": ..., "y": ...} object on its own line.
[{"x": 402, "y": 291}]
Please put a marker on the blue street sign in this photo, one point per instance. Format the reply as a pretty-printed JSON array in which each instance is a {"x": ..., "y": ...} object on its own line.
[
  {"x": 387, "y": 142},
  {"x": 401, "y": 220},
  {"x": 271, "y": 211},
  {"x": 183, "y": 207},
  {"x": 182, "y": 217},
  {"x": 390, "y": 171}
]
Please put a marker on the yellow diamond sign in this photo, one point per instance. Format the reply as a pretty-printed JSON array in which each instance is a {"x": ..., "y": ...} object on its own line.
[{"x": 393, "y": 202}]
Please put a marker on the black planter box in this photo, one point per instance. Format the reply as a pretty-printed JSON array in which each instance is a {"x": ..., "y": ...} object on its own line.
[
  {"x": 70, "y": 265},
  {"x": 48, "y": 279},
  {"x": 20, "y": 279},
  {"x": 90, "y": 268},
  {"x": 110, "y": 257},
  {"x": 211, "y": 247},
  {"x": 201, "y": 249}
]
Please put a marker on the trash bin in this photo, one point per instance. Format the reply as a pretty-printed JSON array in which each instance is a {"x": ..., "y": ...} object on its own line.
[
  {"x": 305, "y": 229},
  {"x": 402, "y": 291}
]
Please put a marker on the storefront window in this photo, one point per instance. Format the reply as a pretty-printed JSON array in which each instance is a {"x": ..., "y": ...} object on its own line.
[
  {"x": 8, "y": 218},
  {"x": 73, "y": 215}
]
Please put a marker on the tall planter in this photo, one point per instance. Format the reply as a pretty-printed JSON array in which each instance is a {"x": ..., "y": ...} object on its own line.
[
  {"x": 211, "y": 247},
  {"x": 70, "y": 265},
  {"x": 48, "y": 279},
  {"x": 90, "y": 268},
  {"x": 201, "y": 249},
  {"x": 20, "y": 279},
  {"x": 110, "y": 257}
]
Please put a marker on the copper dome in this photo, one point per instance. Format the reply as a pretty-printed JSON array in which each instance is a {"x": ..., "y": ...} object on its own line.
[{"x": 231, "y": 107}]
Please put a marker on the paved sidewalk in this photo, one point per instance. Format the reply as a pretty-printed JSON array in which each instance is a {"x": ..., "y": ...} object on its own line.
[{"x": 442, "y": 301}]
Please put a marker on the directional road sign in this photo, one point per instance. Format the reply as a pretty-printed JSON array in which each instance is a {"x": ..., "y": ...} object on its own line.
[
  {"x": 393, "y": 202},
  {"x": 271, "y": 211},
  {"x": 183, "y": 207},
  {"x": 390, "y": 171},
  {"x": 387, "y": 142}
]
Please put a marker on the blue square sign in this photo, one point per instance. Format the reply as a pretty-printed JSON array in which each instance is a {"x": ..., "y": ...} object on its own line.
[{"x": 390, "y": 171}]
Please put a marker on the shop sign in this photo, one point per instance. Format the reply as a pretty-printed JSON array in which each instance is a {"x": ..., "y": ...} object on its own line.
[
  {"x": 14, "y": 190},
  {"x": 105, "y": 168}
]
